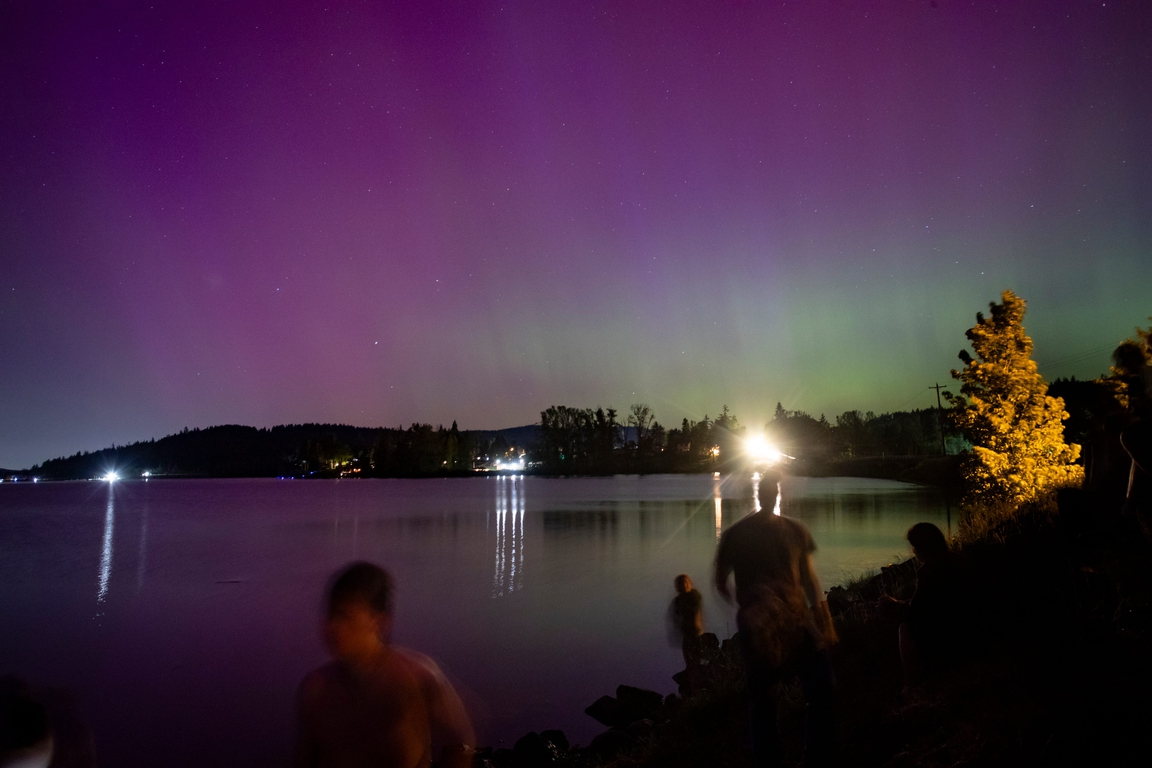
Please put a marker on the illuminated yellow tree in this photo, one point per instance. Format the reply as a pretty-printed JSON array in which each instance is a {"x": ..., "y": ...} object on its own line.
[{"x": 1016, "y": 430}]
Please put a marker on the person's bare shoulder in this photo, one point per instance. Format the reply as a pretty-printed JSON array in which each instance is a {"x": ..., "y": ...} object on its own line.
[{"x": 419, "y": 665}]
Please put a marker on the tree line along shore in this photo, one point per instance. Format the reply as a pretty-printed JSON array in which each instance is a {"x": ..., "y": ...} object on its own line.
[
  {"x": 1057, "y": 655},
  {"x": 902, "y": 445},
  {"x": 570, "y": 441}
]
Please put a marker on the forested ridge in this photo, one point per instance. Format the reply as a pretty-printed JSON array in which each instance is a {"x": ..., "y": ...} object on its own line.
[{"x": 566, "y": 441}]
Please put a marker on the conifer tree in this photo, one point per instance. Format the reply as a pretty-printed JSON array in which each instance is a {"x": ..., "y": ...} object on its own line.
[{"x": 1016, "y": 430}]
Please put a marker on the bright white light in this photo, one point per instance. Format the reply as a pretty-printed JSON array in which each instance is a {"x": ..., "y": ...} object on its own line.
[
  {"x": 111, "y": 477},
  {"x": 147, "y": 474},
  {"x": 759, "y": 449},
  {"x": 519, "y": 463}
]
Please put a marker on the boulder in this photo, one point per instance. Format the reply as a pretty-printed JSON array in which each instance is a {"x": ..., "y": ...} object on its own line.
[
  {"x": 839, "y": 600},
  {"x": 502, "y": 757},
  {"x": 709, "y": 646},
  {"x": 532, "y": 750},
  {"x": 606, "y": 710},
  {"x": 611, "y": 743},
  {"x": 636, "y": 704},
  {"x": 641, "y": 729},
  {"x": 730, "y": 648},
  {"x": 557, "y": 738}
]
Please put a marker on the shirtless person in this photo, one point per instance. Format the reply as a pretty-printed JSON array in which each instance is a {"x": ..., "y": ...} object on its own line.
[
  {"x": 375, "y": 704},
  {"x": 785, "y": 627}
]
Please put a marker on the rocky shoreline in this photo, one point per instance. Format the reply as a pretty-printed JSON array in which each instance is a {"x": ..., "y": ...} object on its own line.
[{"x": 1059, "y": 676}]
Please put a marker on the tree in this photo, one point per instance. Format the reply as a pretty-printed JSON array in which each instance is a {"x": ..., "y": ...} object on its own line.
[
  {"x": 567, "y": 434},
  {"x": 640, "y": 418},
  {"x": 798, "y": 433},
  {"x": 605, "y": 435},
  {"x": 1003, "y": 409},
  {"x": 1128, "y": 361}
]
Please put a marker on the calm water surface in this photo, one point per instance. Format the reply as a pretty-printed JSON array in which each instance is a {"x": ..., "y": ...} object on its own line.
[{"x": 182, "y": 614}]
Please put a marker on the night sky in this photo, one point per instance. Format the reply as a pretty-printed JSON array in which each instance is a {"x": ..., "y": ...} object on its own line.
[{"x": 378, "y": 213}]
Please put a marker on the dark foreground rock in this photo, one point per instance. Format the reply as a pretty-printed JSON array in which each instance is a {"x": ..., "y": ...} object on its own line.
[{"x": 629, "y": 705}]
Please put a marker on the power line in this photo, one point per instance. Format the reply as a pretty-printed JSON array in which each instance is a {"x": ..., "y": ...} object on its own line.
[
  {"x": 1075, "y": 357},
  {"x": 918, "y": 394}
]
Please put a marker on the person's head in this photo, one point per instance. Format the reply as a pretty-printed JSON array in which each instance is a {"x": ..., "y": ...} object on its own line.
[
  {"x": 928, "y": 542},
  {"x": 359, "y": 616},
  {"x": 683, "y": 583},
  {"x": 769, "y": 486},
  {"x": 25, "y": 734}
]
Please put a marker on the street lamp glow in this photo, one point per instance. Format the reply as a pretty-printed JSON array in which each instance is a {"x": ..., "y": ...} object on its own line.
[
  {"x": 111, "y": 477},
  {"x": 760, "y": 450}
]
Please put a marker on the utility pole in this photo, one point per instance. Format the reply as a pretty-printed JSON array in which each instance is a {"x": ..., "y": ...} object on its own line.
[{"x": 940, "y": 419}]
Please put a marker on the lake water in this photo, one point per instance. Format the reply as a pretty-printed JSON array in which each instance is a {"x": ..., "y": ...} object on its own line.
[{"x": 182, "y": 614}]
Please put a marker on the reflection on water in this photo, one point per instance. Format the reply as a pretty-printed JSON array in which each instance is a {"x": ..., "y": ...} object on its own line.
[
  {"x": 142, "y": 555},
  {"x": 718, "y": 504},
  {"x": 582, "y": 567},
  {"x": 106, "y": 546},
  {"x": 510, "y": 505}
]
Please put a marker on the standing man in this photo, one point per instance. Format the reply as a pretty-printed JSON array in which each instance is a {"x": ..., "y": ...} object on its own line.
[
  {"x": 376, "y": 704},
  {"x": 784, "y": 624}
]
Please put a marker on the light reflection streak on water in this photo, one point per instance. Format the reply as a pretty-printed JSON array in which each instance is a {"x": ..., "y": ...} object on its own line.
[
  {"x": 717, "y": 500},
  {"x": 512, "y": 576},
  {"x": 509, "y": 557},
  {"x": 498, "y": 573},
  {"x": 755, "y": 491},
  {"x": 523, "y": 504},
  {"x": 142, "y": 559},
  {"x": 106, "y": 548}
]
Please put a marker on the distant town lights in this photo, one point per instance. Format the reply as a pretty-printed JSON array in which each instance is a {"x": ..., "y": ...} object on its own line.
[{"x": 517, "y": 464}]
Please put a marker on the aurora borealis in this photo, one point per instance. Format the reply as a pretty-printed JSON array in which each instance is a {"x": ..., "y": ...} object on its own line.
[{"x": 379, "y": 213}]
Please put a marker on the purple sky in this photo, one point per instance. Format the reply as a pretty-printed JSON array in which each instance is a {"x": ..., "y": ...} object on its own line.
[{"x": 378, "y": 213}]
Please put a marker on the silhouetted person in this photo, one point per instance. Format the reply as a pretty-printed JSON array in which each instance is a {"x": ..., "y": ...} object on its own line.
[
  {"x": 375, "y": 704},
  {"x": 936, "y": 621},
  {"x": 1131, "y": 363},
  {"x": 685, "y": 615},
  {"x": 25, "y": 738},
  {"x": 41, "y": 727},
  {"x": 784, "y": 625}
]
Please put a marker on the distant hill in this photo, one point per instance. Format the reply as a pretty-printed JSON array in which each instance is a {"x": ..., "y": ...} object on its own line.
[
  {"x": 325, "y": 450},
  {"x": 524, "y": 436}
]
